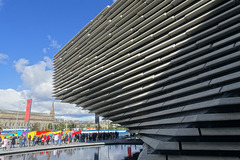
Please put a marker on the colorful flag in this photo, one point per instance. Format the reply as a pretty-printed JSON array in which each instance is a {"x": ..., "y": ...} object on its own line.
[{"x": 28, "y": 110}]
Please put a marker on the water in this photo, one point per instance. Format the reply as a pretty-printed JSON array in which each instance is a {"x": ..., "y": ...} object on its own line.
[{"x": 108, "y": 152}]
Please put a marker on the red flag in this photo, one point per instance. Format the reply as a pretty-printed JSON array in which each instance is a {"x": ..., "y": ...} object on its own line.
[
  {"x": 129, "y": 151},
  {"x": 78, "y": 132},
  {"x": 42, "y": 132},
  {"x": 28, "y": 110}
]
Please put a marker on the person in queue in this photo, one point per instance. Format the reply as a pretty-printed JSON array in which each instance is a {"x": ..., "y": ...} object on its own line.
[{"x": 4, "y": 143}]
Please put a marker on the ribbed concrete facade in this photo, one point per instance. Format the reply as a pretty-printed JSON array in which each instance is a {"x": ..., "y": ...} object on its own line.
[{"x": 168, "y": 70}]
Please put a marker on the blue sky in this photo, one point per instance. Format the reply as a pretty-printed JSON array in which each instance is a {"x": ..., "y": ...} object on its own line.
[{"x": 31, "y": 33}]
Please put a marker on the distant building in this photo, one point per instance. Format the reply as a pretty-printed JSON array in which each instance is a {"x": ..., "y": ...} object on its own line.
[{"x": 10, "y": 119}]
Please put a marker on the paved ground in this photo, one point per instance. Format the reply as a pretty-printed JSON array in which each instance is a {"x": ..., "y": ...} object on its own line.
[{"x": 17, "y": 149}]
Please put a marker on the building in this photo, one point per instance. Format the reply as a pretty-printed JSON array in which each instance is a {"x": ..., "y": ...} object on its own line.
[
  {"x": 15, "y": 119},
  {"x": 166, "y": 69}
]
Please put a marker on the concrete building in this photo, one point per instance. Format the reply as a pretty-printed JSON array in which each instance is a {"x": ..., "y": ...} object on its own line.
[
  {"x": 167, "y": 70},
  {"x": 10, "y": 119}
]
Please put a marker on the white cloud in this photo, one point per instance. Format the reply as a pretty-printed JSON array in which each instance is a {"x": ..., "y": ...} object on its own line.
[
  {"x": 38, "y": 79},
  {"x": 49, "y": 37},
  {"x": 20, "y": 64},
  {"x": 11, "y": 99},
  {"x": 53, "y": 44},
  {"x": 49, "y": 63},
  {"x": 69, "y": 111},
  {"x": 3, "y": 57},
  {"x": 45, "y": 50}
]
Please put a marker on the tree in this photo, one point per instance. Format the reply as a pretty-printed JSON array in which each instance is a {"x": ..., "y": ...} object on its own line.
[
  {"x": 102, "y": 128},
  {"x": 111, "y": 127},
  {"x": 61, "y": 126},
  {"x": 81, "y": 127},
  {"x": 35, "y": 127},
  {"x": 45, "y": 128},
  {"x": 55, "y": 126},
  {"x": 71, "y": 126},
  {"x": 88, "y": 125},
  {"x": 50, "y": 126}
]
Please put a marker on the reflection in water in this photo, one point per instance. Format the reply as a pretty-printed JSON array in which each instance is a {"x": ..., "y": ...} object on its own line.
[
  {"x": 109, "y": 152},
  {"x": 96, "y": 154}
]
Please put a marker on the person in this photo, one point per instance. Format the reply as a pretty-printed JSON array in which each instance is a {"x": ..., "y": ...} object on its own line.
[
  {"x": 13, "y": 138},
  {"x": 80, "y": 137},
  {"x": 48, "y": 138},
  {"x": 34, "y": 140},
  {"x": 90, "y": 137},
  {"x": 0, "y": 139},
  {"x": 59, "y": 139},
  {"x": 56, "y": 139},
  {"x": 77, "y": 137},
  {"x": 52, "y": 139},
  {"x": 66, "y": 139},
  {"x": 24, "y": 140},
  {"x": 4, "y": 144},
  {"x": 43, "y": 139},
  {"x": 74, "y": 138},
  {"x": 20, "y": 140},
  {"x": 29, "y": 140},
  {"x": 104, "y": 135},
  {"x": 63, "y": 139},
  {"x": 69, "y": 139},
  {"x": 38, "y": 140},
  {"x": 83, "y": 137}
]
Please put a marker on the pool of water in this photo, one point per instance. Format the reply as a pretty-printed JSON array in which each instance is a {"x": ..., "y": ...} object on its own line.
[{"x": 108, "y": 152}]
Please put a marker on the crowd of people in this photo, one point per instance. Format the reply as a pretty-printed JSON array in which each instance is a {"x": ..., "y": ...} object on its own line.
[{"x": 55, "y": 139}]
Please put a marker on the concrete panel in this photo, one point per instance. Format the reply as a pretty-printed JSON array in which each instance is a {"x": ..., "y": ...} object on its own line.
[
  {"x": 232, "y": 20},
  {"x": 220, "y": 131},
  {"x": 157, "y": 144},
  {"x": 201, "y": 105},
  {"x": 212, "y": 117},
  {"x": 162, "y": 121},
  {"x": 218, "y": 35},
  {"x": 228, "y": 77},
  {"x": 219, "y": 70},
  {"x": 193, "y": 54},
  {"x": 179, "y": 132},
  {"x": 227, "y": 40},
  {"x": 203, "y": 146},
  {"x": 223, "y": 59},
  {"x": 211, "y": 55},
  {"x": 158, "y": 114},
  {"x": 193, "y": 96},
  {"x": 230, "y": 87}
]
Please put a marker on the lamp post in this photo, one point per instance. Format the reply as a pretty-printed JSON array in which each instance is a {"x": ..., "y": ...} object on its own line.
[
  {"x": 16, "y": 120},
  {"x": 17, "y": 116}
]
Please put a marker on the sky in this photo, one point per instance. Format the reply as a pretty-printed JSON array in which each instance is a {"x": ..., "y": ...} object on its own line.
[{"x": 31, "y": 33}]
